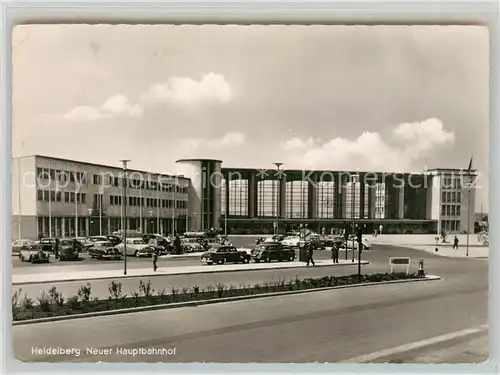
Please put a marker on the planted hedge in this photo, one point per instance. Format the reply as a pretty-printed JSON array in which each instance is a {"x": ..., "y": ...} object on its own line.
[{"x": 53, "y": 303}]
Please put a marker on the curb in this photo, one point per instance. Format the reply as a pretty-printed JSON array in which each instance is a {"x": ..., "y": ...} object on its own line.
[
  {"x": 364, "y": 263},
  {"x": 133, "y": 310}
]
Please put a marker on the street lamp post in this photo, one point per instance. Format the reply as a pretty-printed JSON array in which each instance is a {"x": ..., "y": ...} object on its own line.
[
  {"x": 124, "y": 209},
  {"x": 468, "y": 213},
  {"x": 353, "y": 198},
  {"x": 278, "y": 203},
  {"x": 90, "y": 221},
  {"x": 158, "y": 204}
]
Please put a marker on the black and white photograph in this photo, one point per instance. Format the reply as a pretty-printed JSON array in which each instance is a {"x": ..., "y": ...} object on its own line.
[{"x": 250, "y": 194}]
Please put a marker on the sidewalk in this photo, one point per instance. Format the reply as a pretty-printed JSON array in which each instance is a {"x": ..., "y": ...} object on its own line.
[
  {"x": 117, "y": 274},
  {"x": 447, "y": 251},
  {"x": 421, "y": 240}
]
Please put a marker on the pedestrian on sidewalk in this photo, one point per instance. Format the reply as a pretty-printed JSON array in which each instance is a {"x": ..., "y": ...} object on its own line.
[
  {"x": 455, "y": 243},
  {"x": 335, "y": 253},
  {"x": 56, "y": 248},
  {"x": 155, "y": 260},
  {"x": 310, "y": 253}
]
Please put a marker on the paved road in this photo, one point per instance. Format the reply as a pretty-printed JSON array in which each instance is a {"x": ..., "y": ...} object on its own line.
[
  {"x": 326, "y": 326},
  {"x": 378, "y": 257}
]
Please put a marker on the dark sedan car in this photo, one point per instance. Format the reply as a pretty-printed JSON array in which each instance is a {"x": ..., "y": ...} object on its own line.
[
  {"x": 47, "y": 245},
  {"x": 225, "y": 254},
  {"x": 68, "y": 249},
  {"x": 268, "y": 252},
  {"x": 104, "y": 250}
]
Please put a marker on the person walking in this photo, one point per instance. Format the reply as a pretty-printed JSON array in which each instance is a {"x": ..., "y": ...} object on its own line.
[
  {"x": 455, "y": 243},
  {"x": 310, "y": 253},
  {"x": 155, "y": 261},
  {"x": 56, "y": 248},
  {"x": 177, "y": 245},
  {"x": 335, "y": 253}
]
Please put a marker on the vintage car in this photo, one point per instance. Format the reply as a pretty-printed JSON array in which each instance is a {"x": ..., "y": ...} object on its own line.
[
  {"x": 292, "y": 241},
  {"x": 47, "y": 244},
  {"x": 352, "y": 240},
  {"x": 157, "y": 248},
  {"x": 104, "y": 250},
  {"x": 225, "y": 254},
  {"x": 136, "y": 247},
  {"x": 68, "y": 250},
  {"x": 191, "y": 245},
  {"x": 115, "y": 240},
  {"x": 19, "y": 245},
  {"x": 268, "y": 252},
  {"x": 32, "y": 253},
  {"x": 83, "y": 243}
]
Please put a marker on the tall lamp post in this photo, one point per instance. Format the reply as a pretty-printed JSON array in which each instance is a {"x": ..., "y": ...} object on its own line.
[
  {"x": 124, "y": 209},
  {"x": 90, "y": 221},
  {"x": 353, "y": 198},
  {"x": 278, "y": 203}
]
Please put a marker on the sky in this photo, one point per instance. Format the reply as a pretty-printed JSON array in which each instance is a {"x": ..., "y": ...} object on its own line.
[{"x": 370, "y": 98}]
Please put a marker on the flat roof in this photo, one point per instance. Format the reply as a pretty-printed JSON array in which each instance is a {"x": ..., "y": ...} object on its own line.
[
  {"x": 194, "y": 159},
  {"x": 99, "y": 165}
]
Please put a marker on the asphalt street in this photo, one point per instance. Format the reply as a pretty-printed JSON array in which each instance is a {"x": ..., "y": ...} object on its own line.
[
  {"x": 379, "y": 258},
  {"x": 326, "y": 326}
]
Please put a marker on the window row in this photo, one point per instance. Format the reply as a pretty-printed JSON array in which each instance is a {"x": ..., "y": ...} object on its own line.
[
  {"x": 453, "y": 183},
  {"x": 450, "y": 225},
  {"x": 451, "y": 197},
  {"x": 107, "y": 179},
  {"x": 57, "y": 196},
  {"x": 116, "y": 200},
  {"x": 450, "y": 210}
]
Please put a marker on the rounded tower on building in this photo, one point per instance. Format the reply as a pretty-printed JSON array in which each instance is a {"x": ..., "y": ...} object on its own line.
[{"x": 204, "y": 205}]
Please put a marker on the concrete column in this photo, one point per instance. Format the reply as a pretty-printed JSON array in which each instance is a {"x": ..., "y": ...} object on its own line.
[
  {"x": 401, "y": 202},
  {"x": 63, "y": 226},
  {"x": 226, "y": 208},
  {"x": 87, "y": 228},
  {"x": 343, "y": 202},
  {"x": 312, "y": 198},
  {"x": 371, "y": 199},
  {"x": 361, "y": 198},
  {"x": 282, "y": 198},
  {"x": 252, "y": 195}
]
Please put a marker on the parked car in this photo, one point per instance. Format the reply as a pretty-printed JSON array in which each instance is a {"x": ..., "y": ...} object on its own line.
[
  {"x": 190, "y": 245},
  {"x": 225, "y": 254},
  {"x": 136, "y": 247},
  {"x": 33, "y": 254},
  {"x": 366, "y": 244},
  {"x": 83, "y": 243},
  {"x": 47, "y": 244},
  {"x": 292, "y": 241},
  {"x": 157, "y": 248},
  {"x": 268, "y": 252},
  {"x": 19, "y": 245},
  {"x": 160, "y": 240},
  {"x": 68, "y": 250},
  {"x": 104, "y": 250}
]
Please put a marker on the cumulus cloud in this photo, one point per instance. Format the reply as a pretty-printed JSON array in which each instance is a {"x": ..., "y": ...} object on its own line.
[
  {"x": 233, "y": 139},
  {"x": 116, "y": 106},
  {"x": 211, "y": 87},
  {"x": 406, "y": 144}
]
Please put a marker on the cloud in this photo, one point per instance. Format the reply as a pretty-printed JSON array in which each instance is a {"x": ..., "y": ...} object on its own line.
[
  {"x": 233, "y": 139},
  {"x": 297, "y": 143},
  {"x": 407, "y": 144},
  {"x": 211, "y": 87},
  {"x": 116, "y": 106}
]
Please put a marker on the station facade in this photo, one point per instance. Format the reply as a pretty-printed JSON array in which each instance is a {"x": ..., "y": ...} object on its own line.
[{"x": 58, "y": 197}]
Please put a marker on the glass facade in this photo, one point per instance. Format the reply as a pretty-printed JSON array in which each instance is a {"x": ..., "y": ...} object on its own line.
[
  {"x": 267, "y": 198},
  {"x": 238, "y": 198},
  {"x": 326, "y": 199},
  {"x": 297, "y": 199}
]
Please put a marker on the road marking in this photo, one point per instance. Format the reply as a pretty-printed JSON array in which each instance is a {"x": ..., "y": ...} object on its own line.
[{"x": 414, "y": 345}]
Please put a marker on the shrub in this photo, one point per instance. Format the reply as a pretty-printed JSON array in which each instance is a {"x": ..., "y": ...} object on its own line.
[
  {"x": 115, "y": 290},
  {"x": 16, "y": 303},
  {"x": 73, "y": 302},
  {"x": 175, "y": 293},
  {"x": 162, "y": 294},
  {"x": 146, "y": 288},
  {"x": 27, "y": 303},
  {"x": 220, "y": 290},
  {"x": 44, "y": 302},
  {"x": 55, "y": 297},
  {"x": 84, "y": 293}
]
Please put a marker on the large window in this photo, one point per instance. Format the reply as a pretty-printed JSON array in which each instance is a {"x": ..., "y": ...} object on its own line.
[
  {"x": 296, "y": 199},
  {"x": 267, "y": 198},
  {"x": 352, "y": 201},
  {"x": 326, "y": 199},
  {"x": 222, "y": 191},
  {"x": 380, "y": 198},
  {"x": 238, "y": 198}
]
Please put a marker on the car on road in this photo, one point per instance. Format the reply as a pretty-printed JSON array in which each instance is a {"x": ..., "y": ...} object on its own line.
[
  {"x": 48, "y": 244},
  {"x": 83, "y": 243},
  {"x": 34, "y": 254},
  {"x": 68, "y": 250},
  {"x": 157, "y": 248},
  {"x": 268, "y": 252},
  {"x": 292, "y": 241},
  {"x": 225, "y": 254},
  {"x": 191, "y": 245},
  {"x": 136, "y": 247},
  {"x": 104, "y": 250},
  {"x": 115, "y": 240},
  {"x": 366, "y": 244},
  {"x": 19, "y": 245}
]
